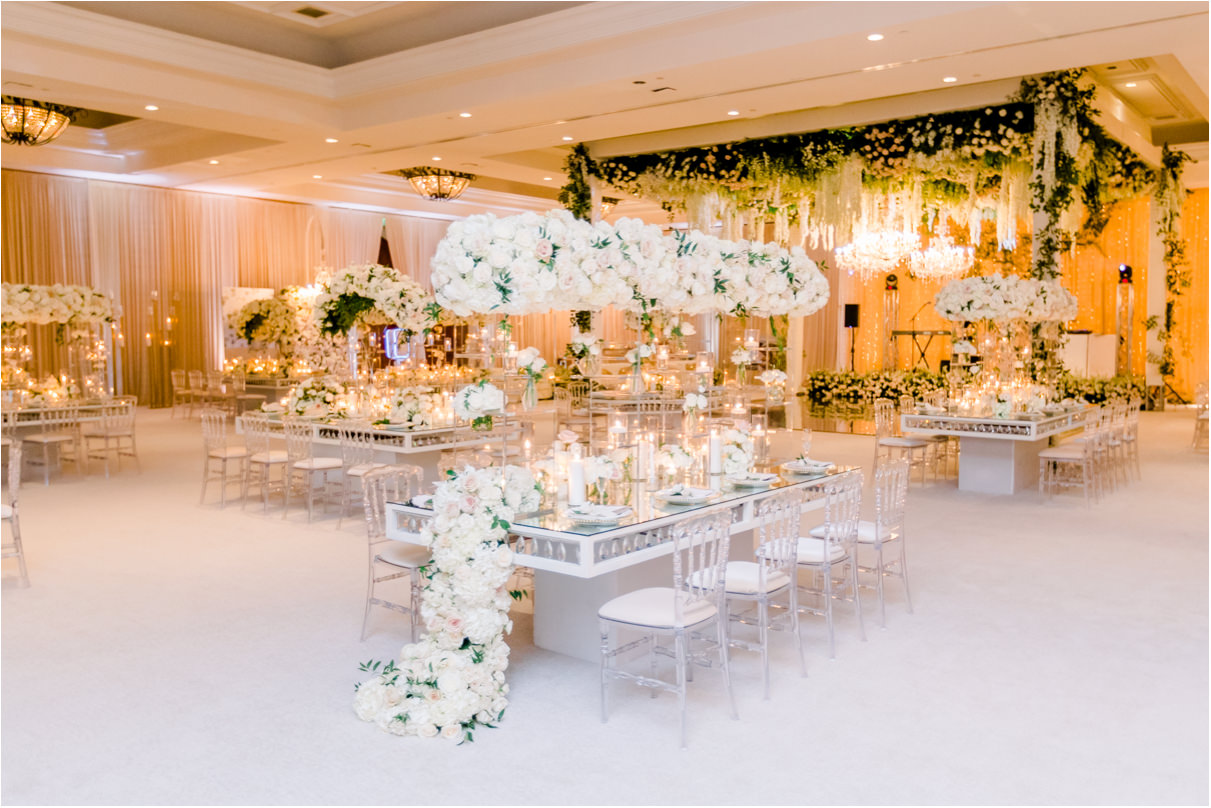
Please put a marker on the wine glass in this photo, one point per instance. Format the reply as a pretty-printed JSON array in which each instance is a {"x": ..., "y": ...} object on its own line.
[{"x": 807, "y": 443}]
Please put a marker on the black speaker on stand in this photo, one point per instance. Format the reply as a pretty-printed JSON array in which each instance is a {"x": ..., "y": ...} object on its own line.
[{"x": 851, "y": 322}]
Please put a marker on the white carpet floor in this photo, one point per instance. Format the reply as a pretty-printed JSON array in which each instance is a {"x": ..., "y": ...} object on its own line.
[{"x": 171, "y": 653}]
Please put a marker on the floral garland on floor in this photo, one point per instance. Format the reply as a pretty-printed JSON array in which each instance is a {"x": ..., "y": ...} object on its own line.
[
  {"x": 1169, "y": 197},
  {"x": 996, "y": 297},
  {"x": 372, "y": 295},
  {"x": 57, "y": 303},
  {"x": 453, "y": 680},
  {"x": 266, "y": 320},
  {"x": 534, "y": 263}
]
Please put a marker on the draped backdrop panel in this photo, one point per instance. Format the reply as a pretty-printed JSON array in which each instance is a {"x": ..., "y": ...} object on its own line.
[{"x": 165, "y": 256}]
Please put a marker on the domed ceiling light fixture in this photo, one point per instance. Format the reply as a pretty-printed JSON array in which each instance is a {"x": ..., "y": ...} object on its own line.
[{"x": 33, "y": 123}]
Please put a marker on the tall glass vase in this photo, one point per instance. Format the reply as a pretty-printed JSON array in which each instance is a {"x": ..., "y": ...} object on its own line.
[{"x": 351, "y": 352}]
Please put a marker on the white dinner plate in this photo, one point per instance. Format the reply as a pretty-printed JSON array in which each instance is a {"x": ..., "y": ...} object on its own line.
[
  {"x": 685, "y": 495},
  {"x": 752, "y": 479},
  {"x": 806, "y": 466},
  {"x": 597, "y": 514}
]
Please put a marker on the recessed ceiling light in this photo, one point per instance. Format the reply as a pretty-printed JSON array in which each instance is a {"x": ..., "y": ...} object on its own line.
[
  {"x": 733, "y": 112},
  {"x": 151, "y": 108},
  {"x": 214, "y": 162},
  {"x": 1129, "y": 84},
  {"x": 331, "y": 140},
  {"x": 874, "y": 37},
  {"x": 546, "y": 179},
  {"x": 949, "y": 80},
  {"x": 436, "y": 158},
  {"x": 568, "y": 137},
  {"x": 464, "y": 114},
  {"x": 317, "y": 176}
]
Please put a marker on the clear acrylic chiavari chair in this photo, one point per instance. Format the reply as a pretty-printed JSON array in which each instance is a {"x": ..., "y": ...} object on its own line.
[
  {"x": 833, "y": 551},
  {"x": 262, "y": 459},
  {"x": 771, "y": 576},
  {"x": 114, "y": 434},
  {"x": 1076, "y": 463},
  {"x": 694, "y": 603},
  {"x": 391, "y": 559},
  {"x": 303, "y": 465},
  {"x": 219, "y": 454},
  {"x": 59, "y": 432},
  {"x": 886, "y": 533},
  {"x": 357, "y": 457},
  {"x": 13, "y": 548},
  {"x": 890, "y": 444}
]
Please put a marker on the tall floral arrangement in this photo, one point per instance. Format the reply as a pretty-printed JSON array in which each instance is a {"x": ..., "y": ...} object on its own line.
[
  {"x": 265, "y": 320},
  {"x": 318, "y": 396},
  {"x": 373, "y": 295},
  {"x": 58, "y": 303},
  {"x": 534, "y": 263},
  {"x": 453, "y": 680},
  {"x": 1000, "y": 298}
]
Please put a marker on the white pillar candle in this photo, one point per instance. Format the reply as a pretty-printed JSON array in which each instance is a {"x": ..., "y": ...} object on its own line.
[
  {"x": 716, "y": 454},
  {"x": 576, "y": 488}
]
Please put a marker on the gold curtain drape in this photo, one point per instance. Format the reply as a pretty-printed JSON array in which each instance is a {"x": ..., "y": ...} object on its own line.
[{"x": 1190, "y": 353}]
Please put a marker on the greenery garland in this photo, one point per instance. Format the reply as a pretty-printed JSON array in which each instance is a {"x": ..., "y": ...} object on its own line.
[
  {"x": 577, "y": 196},
  {"x": 1169, "y": 197},
  {"x": 956, "y": 159}
]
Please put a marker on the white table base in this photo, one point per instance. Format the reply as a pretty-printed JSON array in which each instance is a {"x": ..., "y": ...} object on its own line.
[
  {"x": 565, "y": 607},
  {"x": 998, "y": 466}
]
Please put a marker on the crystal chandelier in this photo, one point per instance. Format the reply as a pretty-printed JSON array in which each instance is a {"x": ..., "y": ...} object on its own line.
[
  {"x": 436, "y": 183},
  {"x": 873, "y": 254},
  {"x": 941, "y": 260},
  {"x": 33, "y": 123}
]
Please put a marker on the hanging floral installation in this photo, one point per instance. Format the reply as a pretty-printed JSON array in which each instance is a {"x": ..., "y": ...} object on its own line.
[
  {"x": 1169, "y": 197},
  {"x": 1041, "y": 151}
]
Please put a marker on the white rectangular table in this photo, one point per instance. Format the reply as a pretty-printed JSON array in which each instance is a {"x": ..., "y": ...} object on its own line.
[
  {"x": 996, "y": 455},
  {"x": 577, "y": 568}
]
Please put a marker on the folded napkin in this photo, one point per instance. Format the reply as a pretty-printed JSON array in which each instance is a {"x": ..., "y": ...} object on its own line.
[
  {"x": 683, "y": 490},
  {"x": 423, "y": 500},
  {"x": 589, "y": 511},
  {"x": 272, "y": 407},
  {"x": 752, "y": 477},
  {"x": 806, "y": 465}
]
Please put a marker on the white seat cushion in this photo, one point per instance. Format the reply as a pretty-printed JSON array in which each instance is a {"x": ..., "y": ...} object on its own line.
[
  {"x": 362, "y": 469},
  {"x": 403, "y": 554},
  {"x": 1202, "y": 416},
  {"x": 229, "y": 451},
  {"x": 812, "y": 550},
  {"x": 50, "y": 437},
  {"x": 272, "y": 456},
  {"x": 318, "y": 463},
  {"x": 867, "y": 532},
  {"x": 654, "y": 607},
  {"x": 6, "y": 511},
  {"x": 1063, "y": 453},
  {"x": 744, "y": 578},
  {"x": 5, "y": 442},
  {"x": 907, "y": 443}
]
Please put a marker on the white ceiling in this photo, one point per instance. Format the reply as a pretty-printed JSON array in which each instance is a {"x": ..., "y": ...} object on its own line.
[{"x": 254, "y": 92}]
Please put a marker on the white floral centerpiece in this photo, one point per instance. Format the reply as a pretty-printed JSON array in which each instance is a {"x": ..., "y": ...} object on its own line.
[
  {"x": 373, "y": 295},
  {"x": 738, "y": 450},
  {"x": 674, "y": 459},
  {"x": 266, "y": 320},
  {"x": 531, "y": 363},
  {"x": 584, "y": 349},
  {"x": 452, "y": 681},
  {"x": 478, "y": 403},
  {"x": 58, "y": 303},
  {"x": 636, "y": 355},
  {"x": 775, "y": 384},
  {"x": 695, "y": 403},
  {"x": 318, "y": 397},
  {"x": 1001, "y": 298},
  {"x": 414, "y": 407}
]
